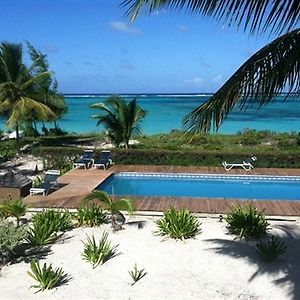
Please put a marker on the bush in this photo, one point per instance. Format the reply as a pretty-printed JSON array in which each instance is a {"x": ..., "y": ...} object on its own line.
[
  {"x": 90, "y": 216},
  {"x": 10, "y": 237},
  {"x": 247, "y": 222},
  {"x": 57, "y": 220},
  {"x": 41, "y": 235},
  {"x": 178, "y": 224},
  {"x": 98, "y": 254},
  {"x": 272, "y": 249},
  {"x": 47, "y": 277},
  {"x": 13, "y": 208}
]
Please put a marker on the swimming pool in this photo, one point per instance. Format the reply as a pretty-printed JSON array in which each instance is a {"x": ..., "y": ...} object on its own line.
[{"x": 203, "y": 185}]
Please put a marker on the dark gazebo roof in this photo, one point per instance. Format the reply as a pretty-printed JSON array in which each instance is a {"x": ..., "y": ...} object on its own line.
[{"x": 10, "y": 178}]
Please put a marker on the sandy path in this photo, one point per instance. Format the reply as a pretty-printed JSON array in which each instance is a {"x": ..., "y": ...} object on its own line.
[{"x": 212, "y": 266}]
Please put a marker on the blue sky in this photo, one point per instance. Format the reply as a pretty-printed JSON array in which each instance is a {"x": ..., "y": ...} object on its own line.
[{"x": 93, "y": 49}]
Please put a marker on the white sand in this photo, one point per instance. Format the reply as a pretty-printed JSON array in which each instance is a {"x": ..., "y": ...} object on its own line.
[{"x": 211, "y": 266}]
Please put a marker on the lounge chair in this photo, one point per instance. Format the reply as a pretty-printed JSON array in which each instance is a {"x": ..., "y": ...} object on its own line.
[
  {"x": 104, "y": 161},
  {"x": 247, "y": 166},
  {"x": 50, "y": 183},
  {"x": 85, "y": 161}
]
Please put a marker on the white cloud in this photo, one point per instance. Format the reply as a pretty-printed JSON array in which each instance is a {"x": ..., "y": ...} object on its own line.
[
  {"x": 124, "y": 27},
  {"x": 218, "y": 78},
  {"x": 194, "y": 82}
]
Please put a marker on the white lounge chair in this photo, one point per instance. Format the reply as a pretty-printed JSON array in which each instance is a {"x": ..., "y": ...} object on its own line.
[
  {"x": 104, "y": 161},
  {"x": 50, "y": 183},
  {"x": 85, "y": 161},
  {"x": 245, "y": 165}
]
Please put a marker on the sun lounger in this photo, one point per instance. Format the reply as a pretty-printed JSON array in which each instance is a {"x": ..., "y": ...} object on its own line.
[
  {"x": 104, "y": 161},
  {"x": 50, "y": 183},
  {"x": 85, "y": 161},
  {"x": 245, "y": 165}
]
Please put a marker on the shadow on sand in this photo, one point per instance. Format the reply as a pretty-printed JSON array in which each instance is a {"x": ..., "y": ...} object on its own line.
[{"x": 288, "y": 266}]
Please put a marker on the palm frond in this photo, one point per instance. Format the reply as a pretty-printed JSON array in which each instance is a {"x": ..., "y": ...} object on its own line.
[
  {"x": 273, "y": 69},
  {"x": 123, "y": 204},
  {"x": 274, "y": 15},
  {"x": 101, "y": 196}
]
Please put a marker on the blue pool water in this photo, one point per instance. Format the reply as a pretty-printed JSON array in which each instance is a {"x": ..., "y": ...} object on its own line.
[{"x": 212, "y": 186}]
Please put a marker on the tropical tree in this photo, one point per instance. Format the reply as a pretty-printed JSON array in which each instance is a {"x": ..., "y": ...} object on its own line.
[
  {"x": 113, "y": 206},
  {"x": 16, "y": 208},
  {"x": 272, "y": 70},
  {"x": 19, "y": 88},
  {"x": 121, "y": 119}
]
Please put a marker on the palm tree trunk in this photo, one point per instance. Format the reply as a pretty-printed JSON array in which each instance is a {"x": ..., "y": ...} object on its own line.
[{"x": 17, "y": 132}]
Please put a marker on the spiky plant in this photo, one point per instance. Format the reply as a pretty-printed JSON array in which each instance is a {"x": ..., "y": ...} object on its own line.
[
  {"x": 14, "y": 208},
  {"x": 41, "y": 235},
  {"x": 137, "y": 274},
  {"x": 247, "y": 221},
  {"x": 109, "y": 204},
  {"x": 98, "y": 253},
  {"x": 47, "y": 277},
  {"x": 271, "y": 249},
  {"x": 90, "y": 216},
  {"x": 178, "y": 224}
]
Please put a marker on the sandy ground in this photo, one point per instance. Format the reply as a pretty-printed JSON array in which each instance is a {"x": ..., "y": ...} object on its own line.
[{"x": 212, "y": 266}]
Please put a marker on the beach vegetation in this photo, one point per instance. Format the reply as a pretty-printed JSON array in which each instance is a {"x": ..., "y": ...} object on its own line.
[
  {"x": 178, "y": 224},
  {"x": 137, "y": 274},
  {"x": 120, "y": 119},
  {"x": 90, "y": 216},
  {"x": 41, "y": 234},
  {"x": 273, "y": 69},
  {"x": 271, "y": 249},
  {"x": 20, "y": 88},
  {"x": 98, "y": 253},
  {"x": 13, "y": 208},
  {"x": 47, "y": 276},
  {"x": 54, "y": 219},
  {"x": 10, "y": 238},
  {"x": 247, "y": 222},
  {"x": 113, "y": 206}
]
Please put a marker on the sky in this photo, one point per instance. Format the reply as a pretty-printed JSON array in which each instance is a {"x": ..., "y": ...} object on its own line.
[{"x": 92, "y": 48}]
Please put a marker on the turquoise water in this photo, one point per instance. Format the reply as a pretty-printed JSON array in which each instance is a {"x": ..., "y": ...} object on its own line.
[
  {"x": 211, "y": 186},
  {"x": 165, "y": 113}
]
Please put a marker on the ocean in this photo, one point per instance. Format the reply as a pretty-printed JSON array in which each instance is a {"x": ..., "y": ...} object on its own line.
[{"x": 165, "y": 112}]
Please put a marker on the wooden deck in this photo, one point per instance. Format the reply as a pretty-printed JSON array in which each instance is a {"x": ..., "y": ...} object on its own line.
[{"x": 78, "y": 183}]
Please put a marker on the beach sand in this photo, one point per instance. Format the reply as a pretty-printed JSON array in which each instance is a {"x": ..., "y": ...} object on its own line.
[{"x": 212, "y": 266}]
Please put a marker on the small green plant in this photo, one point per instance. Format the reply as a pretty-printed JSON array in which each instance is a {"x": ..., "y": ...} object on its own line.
[
  {"x": 137, "y": 274},
  {"x": 57, "y": 220},
  {"x": 271, "y": 249},
  {"x": 13, "y": 208},
  {"x": 38, "y": 181},
  {"x": 41, "y": 235},
  {"x": 178, "y": 224},
  {"x": 247, "y": 221},
  {"x": 91, "y": 216},
  {"x": 99, "y": 253},
  {"x": 10, "y": 237},
  {"x": 47, "y": 276}
]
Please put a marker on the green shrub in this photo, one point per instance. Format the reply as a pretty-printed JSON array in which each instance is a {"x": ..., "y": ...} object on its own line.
[
  {"x": 98, "y": 254},
  {"x": 137, "y": 274},
  {"x": 47, "y": 277},
  {"x": 271, "y": 249},
  {"x": 90, "y": 216},
  {"x": 14, "y": 208},
  {"x": 41, "y": 235},
  {"x": 10, "y": 237},
  {"x": 178, "y": 224},
  {"x": 57, "y": 220},
  {"x": 247, "y": 222}
]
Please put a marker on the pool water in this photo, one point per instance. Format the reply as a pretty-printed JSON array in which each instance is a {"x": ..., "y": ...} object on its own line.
[{"x": 211, "y": 186}]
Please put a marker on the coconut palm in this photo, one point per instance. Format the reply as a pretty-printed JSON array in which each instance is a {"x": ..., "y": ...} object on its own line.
[
  {"x": 15, "y": 208},
  {"x": 19, "y": 88},
  {"x": 121, "y": 119},
  {"x": 273, "y": 69},
  {"x": 113, "y": 206}
]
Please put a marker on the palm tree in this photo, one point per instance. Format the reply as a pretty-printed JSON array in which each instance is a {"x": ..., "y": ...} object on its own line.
[
  {"x": 273, "y": 69},
  {"x": 19, "y": 92},
  {"x": 113, "y": 206},
  {"x": 15, "y": 208},
  {"x": 121, "y": 119}
]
